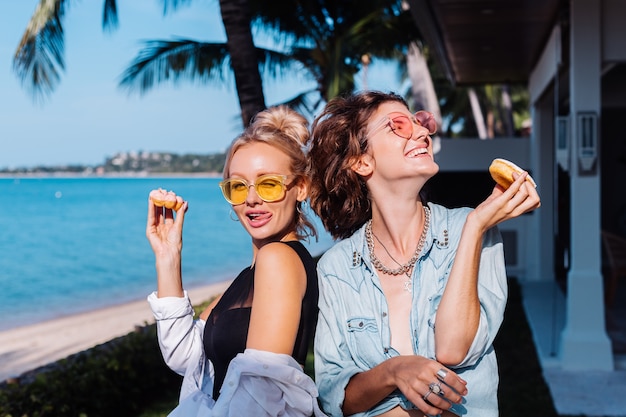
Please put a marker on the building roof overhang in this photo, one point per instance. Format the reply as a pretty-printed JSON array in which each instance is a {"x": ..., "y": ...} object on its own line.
[{"x": 486, "y": 41}]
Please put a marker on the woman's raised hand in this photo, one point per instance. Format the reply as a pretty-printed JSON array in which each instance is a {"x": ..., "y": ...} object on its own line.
[
  {"x": 163, "y": 230},
  {"x": 521, "y": 197}
]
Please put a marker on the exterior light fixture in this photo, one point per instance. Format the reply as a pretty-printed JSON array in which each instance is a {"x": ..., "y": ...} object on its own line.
[{"x": 587, "y": 134}]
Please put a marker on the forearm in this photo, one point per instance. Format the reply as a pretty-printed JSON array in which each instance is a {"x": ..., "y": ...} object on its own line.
[
  {"x": 458, "y": 313},
  {"x": 366, "y": 389},
  {"x": 169, "y": 275}
]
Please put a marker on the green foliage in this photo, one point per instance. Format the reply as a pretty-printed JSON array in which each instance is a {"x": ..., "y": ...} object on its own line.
[
  {"x": 124, "y": 377},
  {"x": 156, "y": 162},
  {"x": 162, "y": 407},
  {"x": 119, "y": 378},
  {"x": 309, "y": 366}
]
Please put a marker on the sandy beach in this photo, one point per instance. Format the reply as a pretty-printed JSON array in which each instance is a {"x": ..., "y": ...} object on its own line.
[{"x": 25, "y": 348}]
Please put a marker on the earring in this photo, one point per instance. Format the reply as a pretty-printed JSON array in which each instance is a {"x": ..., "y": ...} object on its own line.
[
  {"x": 301, "y": 207},
  {"x": 230, "y": 214}
]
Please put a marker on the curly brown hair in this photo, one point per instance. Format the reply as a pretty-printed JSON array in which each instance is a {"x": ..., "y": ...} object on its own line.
[
  {"x": 339, "y": 195},
  {"x": 286, "y": 130}
]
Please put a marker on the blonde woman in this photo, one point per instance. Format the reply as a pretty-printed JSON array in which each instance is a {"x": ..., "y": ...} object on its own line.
[{"x": 245, "y": 354}]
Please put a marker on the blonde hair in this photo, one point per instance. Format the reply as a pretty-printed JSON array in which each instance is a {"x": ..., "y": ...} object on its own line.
[{"x": 288, "y": 131}]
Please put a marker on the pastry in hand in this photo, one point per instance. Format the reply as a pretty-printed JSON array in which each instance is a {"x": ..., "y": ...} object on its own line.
[
  {"x": 502, "y": 170},
  {"x": 167, "y": 199}
]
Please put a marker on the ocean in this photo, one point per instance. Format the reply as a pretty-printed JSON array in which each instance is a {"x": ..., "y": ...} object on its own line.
[{"x": 69, "y": 245}]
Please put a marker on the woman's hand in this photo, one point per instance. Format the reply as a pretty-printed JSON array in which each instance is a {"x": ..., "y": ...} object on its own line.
[
  {"x": 521, "y": 197},
  {"x": 165, "y": 234},
  {"x": 430, "y": 386}
]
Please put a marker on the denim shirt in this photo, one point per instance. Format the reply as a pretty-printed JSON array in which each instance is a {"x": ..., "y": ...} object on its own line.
[{"x": 353, "y": 333}]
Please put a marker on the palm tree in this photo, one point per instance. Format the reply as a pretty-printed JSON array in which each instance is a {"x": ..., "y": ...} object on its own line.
[
  {"x": 39, "y": 58},
  {"x": 237, "y": 19},
  {"x": 486, "y": 111},
  {"x": 329, "y": 39},
  {"x": 422, "y": 90},
  {"x": 324, "y": 40}
]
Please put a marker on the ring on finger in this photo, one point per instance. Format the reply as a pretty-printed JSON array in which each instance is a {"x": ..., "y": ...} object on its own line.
[
  {"x": 436, "y": 388},
  {"x": 425, "y": 397},
  {"x": 441, "y": 374}
]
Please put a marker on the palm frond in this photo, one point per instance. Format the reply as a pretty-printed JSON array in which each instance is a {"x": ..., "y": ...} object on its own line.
[
  {"x": 330, "y": 38},
  {"x": 277, "y": 64},
  {"x": 398, "y": 31},
  {"x": 110, "y": 21},
  {"x": 173, "y": 5},
  {"x": 38, "y": 59},
  {"x": 162, "y": 60},
  {"x": 306, "y": 102}
]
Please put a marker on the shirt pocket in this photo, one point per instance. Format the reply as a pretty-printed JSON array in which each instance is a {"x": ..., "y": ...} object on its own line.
[
  {"x": 362, "y": 324},
  {"x": 362, "y": 333}
]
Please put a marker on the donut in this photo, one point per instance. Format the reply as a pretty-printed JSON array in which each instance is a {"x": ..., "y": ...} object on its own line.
[
  {"x": 502, "y": 170},
  {"x": 167, "y": 199}
]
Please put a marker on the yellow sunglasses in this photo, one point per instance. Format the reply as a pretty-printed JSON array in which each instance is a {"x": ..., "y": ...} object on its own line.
[{"x": 269, "y": 188}]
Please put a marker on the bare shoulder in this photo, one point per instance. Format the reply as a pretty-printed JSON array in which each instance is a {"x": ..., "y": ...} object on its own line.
[
  {"x": 281, "y": 264},
  {"x": 277, "y": 253}
]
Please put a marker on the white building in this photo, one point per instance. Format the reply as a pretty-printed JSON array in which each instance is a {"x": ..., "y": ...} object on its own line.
[{"x": 572, "y": 56}]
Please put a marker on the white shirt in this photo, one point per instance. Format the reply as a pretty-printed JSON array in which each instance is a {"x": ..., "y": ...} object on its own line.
[{"x": 257, "y": 383}]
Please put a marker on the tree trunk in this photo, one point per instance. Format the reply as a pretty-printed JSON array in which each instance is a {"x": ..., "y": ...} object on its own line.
[
  {"x": 507, "y": 117},
  {"x": 478, "y": 114},
  {"x": 422, "y": 89},
  {"x": 243, "y": 57}
]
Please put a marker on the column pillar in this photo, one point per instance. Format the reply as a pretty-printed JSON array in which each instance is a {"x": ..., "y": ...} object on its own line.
[{"x": 584, "y": 341}]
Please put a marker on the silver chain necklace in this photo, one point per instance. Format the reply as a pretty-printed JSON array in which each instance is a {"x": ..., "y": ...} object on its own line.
[{"x": 403, "y": 268}]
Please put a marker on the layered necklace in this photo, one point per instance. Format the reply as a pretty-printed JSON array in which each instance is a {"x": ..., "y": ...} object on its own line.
[{"x": 402, "y": 268}]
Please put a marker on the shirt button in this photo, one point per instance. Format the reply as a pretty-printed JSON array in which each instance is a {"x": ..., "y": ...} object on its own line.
[
  {"x": 384, "y": 314},
  {"x": 361, "y": 324}
]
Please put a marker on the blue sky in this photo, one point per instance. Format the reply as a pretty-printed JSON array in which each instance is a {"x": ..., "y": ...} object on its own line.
[{"x": 88, "y": 117}]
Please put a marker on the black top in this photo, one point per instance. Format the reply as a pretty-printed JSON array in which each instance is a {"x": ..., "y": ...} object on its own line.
[{"x": 226, "y": 329}]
